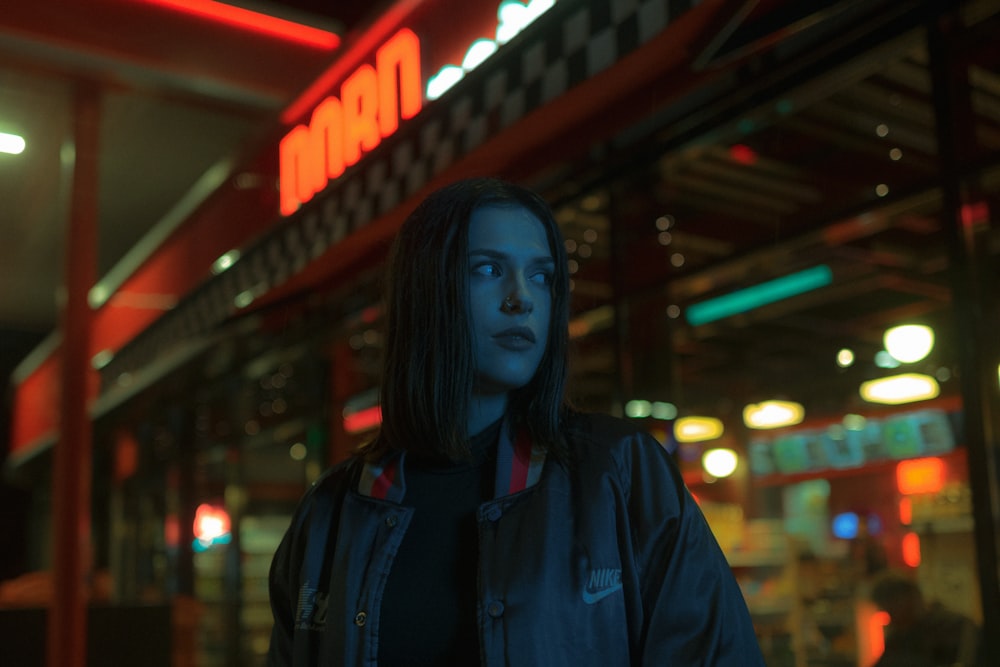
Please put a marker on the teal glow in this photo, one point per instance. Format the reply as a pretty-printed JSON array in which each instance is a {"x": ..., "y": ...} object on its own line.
[
  {"x": 747, "y": 299},
  {"x": 199, "y": 545}
]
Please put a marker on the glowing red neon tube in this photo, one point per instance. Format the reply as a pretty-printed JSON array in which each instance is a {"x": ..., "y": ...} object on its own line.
[{"x": 250, "y": 20}]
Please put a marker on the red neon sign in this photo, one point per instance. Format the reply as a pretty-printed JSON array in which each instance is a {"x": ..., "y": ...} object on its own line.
[
  {"x": 372, "y": 101},
  {"x": 251, "y": 20}
]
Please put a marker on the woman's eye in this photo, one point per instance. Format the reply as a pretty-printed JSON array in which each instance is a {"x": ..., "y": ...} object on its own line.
[
  {"x": 542, "y": 278},
  {"x": 487, "y": 269}
]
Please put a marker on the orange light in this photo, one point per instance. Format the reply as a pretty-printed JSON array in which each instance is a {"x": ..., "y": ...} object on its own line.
[
  {"x": 171, "y": 530},
  {"x": 402, "y": 92},
  {"x": 327, "y": 149},
  {"x": 363, "y": 420},
  {"x": 376, "y": 34},
  {"x": 876, "y": 635},
  {"x": 905, "y": 511},
  {"x": 920, "y": 476},
  {"x": 239, "y": 17},
  {"x": 210, "y": 522},
  {"x": 126, "y": 456},
  {"x": 372, "y": 101},
  {"x": 911, "y": 549},
  {"x": 359, "y": 99}
]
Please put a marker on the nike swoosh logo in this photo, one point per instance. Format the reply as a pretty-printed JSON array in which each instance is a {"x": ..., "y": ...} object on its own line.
[{"x": 591, "y": 598}]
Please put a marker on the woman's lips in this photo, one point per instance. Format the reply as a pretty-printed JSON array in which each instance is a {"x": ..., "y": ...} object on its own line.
[{"x": 515, "y": 338}]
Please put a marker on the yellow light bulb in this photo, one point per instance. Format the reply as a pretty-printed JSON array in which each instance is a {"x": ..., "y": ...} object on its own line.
[{"x": 909, "y": 342}]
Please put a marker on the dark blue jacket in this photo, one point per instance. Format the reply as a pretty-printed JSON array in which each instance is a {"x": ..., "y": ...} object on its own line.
[{"x": 605, "y": 562}]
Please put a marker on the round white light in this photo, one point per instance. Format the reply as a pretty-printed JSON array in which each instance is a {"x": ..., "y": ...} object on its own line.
[
  {"x": 719, "y": 462},
  {"x": 11, "y": 143},
  {"x": 478, "y": 52},
  {"x": 909, "y": 342},
  {"x": 447, "y": 77},
  {"x": 225, "y": 261}
]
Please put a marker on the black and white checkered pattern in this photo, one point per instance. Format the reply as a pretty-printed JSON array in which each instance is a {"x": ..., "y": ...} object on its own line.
[{"x": 572, "y": 42}]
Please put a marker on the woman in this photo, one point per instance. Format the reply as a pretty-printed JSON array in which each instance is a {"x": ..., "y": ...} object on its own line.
[{"x": 487, "y": 523}]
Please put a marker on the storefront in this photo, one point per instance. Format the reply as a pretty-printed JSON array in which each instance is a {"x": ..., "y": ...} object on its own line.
[{"x": 752, "y": 195}]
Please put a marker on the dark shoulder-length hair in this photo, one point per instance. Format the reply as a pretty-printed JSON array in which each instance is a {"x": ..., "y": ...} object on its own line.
[{"x": 429, "y": 365}]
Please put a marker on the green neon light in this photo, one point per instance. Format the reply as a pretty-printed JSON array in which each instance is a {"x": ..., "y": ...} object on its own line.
[{"x": 747, "y": 299}]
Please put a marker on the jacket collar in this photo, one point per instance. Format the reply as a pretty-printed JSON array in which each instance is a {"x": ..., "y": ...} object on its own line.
[{"x": 519, "y": 466}]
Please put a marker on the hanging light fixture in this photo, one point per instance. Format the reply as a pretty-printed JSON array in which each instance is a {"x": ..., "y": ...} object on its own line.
[
  {"x": 898, "y": 389},
  {"x": 697, "y": 429},
  {"x": 638, "y": 409},
  {"x": 909, "y": 343},
  {"x": 773, "y": 414},
  {"x": 11, "y": 143},
  {"x": 719, "y": 462}
]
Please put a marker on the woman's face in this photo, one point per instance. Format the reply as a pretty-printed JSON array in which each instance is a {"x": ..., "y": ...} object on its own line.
[{"x": 510, "y": 296}]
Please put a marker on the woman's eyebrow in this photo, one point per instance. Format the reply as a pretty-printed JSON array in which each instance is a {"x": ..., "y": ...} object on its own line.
[{"x": 497, "y": 254}]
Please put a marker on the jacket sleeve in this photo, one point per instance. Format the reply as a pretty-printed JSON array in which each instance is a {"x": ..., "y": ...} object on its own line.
[
  {"x": 282, "y": 586},
  {"x": 693, "y": 609},
  {"x": 303, "y": 557}
]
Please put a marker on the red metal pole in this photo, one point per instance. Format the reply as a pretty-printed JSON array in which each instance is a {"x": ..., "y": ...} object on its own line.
[{"x": 71, "y": 478}]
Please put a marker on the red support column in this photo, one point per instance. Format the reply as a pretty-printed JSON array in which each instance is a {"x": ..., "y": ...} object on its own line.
[{"x": 71, "y": 478}]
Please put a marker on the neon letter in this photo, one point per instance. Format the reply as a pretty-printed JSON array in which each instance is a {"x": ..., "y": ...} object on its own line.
[
  {"x": 399, "y": 93},
  {"x": 359, "y": 95},
  {"x": 372, "y": 102},
  {"x": 326, "y": 133},
  {"x": 294, "y": 179}
]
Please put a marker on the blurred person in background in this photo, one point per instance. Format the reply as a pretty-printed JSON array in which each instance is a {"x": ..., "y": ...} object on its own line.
[{"x": 921, "y": 634}]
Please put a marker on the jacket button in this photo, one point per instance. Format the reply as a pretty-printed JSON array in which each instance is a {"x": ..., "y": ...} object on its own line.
[
  {"x": 493, "y": 513},
  {"x": 495, "y": 609},
  {"x": 391, "y": 521},
  {"x": 360, "y": 619}
]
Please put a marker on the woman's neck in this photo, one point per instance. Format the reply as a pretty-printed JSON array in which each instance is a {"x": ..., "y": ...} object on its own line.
[{"x": 483, "y": 411}]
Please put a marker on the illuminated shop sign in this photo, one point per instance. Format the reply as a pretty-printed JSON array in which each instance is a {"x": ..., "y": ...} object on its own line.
[
  {"x": 853, "y": 444},
  {"x": 372, "y": 101}
]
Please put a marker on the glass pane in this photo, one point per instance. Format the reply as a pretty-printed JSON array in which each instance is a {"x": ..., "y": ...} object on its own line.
[{"x": 766, "y": 261}]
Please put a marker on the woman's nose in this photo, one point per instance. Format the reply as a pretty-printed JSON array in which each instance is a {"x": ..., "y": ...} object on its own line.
[
  {"x": 514, "y": 304},
  {"x": 518, "y": 299}
]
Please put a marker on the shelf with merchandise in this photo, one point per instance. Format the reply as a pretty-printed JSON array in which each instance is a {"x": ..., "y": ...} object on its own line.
[{"x": 764, "y": 562}]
